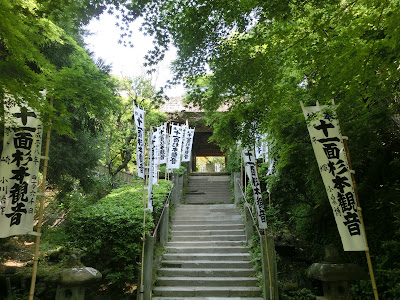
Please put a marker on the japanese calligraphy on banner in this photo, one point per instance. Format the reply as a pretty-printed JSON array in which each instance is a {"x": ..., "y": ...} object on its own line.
[
  {"x": 251, "y": 171},
  {"x": 259, "y": 146},
  {"x": 327, "y": 142},
  {"x": 19, "y": 168},
  {"x": 163, "y": 143},
  {"x": 175, "y": 147},
  {"x": 151, "y": 172},
  {"x": 155, "y": 154},
  {"x": 139, "y": 123},
  {"x": 187, "y": 144}
]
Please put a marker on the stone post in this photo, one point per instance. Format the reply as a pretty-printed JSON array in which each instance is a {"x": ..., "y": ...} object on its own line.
[
  {"x": 174, "y": 193},
  {"x": 248, "y": 225},
  {"x": 238, "y": 193},
  {"x": 164, "y": 226},
  {"x": 148, "y": 268},
  {"x": 266, "y": 269}
]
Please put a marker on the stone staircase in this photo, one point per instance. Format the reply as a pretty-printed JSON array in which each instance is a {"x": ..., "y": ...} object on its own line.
[
  {"x": 206, "y": 257},
  {"x": 208, "y": 189}
]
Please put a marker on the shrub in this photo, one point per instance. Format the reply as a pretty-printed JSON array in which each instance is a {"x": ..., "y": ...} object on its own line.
[{"x": 110, "y": 231}]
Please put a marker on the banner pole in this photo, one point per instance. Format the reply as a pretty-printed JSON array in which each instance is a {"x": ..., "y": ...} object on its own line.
[
  {"x": 271, "y": 287},
  {"x": 367, "y": 254},
  {"x": 41, "y": 209},
  {"x": 141, "y": 287}
]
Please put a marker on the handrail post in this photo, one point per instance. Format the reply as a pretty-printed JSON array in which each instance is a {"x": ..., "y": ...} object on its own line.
[
  {"x": 148, "y": 267},
  {"x": 238, "y": 194},
  {"x": 248, "y": 225},
  {"x": 164, "y": 226}
]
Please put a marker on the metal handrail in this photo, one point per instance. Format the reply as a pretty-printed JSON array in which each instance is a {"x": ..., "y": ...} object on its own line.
[
  {"x": 248, "y": 207},
  {"x": 162, "y": 213}
]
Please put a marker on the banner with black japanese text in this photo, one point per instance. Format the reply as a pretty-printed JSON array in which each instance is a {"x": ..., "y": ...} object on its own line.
[
  {"x": 139, "y": 123},
  {"x": 163, "y": 143},
  {"x": 330, "y": 153},
  {"x": 250, "y": 165},
  {"x": 187, "y": 144},
  {"x": 155, "y": 154},
  {"x": 175, "y": 147},
  {"x": 19, "y": 168}
]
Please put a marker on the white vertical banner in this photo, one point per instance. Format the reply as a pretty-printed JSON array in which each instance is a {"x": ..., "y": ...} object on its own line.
[
  {"x": 151, "y": 173},
  {"x": 329, "y": 150},
  {"x": 19, "y": 168},
  {"x": 139, "y": 123},
  {"x": 251, "y": 171},
  {"x": 163, "y": 143},
  {"x": 187, "y": 144},
  {"x": 155, "y": 154},
  {"x": 259, "y": 146},
  {"x": 175, "y": 147}
]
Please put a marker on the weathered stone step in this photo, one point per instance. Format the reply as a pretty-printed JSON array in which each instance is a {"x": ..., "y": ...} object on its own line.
[
  {"x": 206, "y": 217},
  {"x": 206, "y": 264},
  {"x": 206, "y": 281},
  {"x": 207, "y": 256},
  {"x": 212, "y": 222},
  {"x": 196, "y": 272},
  {"x": 187, "y": 238},
  {"x": 207, "y": 207},
  {"x": 176, "y": 233},
  {"x": 209, "y": 201},
  {"x": 215, "y": 249},
  {"x": 207, "y": 227},
  {"x": 207, "y": 298},
  {"x": 205, "y": 243},
  {"x": 207, "y": 291}
]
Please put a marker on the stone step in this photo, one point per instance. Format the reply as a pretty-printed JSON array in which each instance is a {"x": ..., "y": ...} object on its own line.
[
  {"x": 209, "y": 201},
  {"x": 207, "y": 215},
  {"x": 197, "y": 272},
  {"x": 223, "y": 237},
  {"x": 206, "y": 281},
  {"x": 210, "y": 222},
  {"x": 210, "y": 207},
  {"x": 207, "y": 227},
  {"x": 215, "y": 249},
  {"x": 206, "y": 244},
  {"x": 207, "y": 298},
  {"x": 207, "y": 256},
  {"x": 207, "y": 291},
  {"x": 176, "y": 233},
  {"x": 206, "y": 264}
]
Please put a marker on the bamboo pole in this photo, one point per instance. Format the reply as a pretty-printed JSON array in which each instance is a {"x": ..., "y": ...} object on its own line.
[
  {"x": 141, "y": 287},
  {"x": 367, "y": 254},
  {"x": 271, "y": 285},
  {"x": 41, "y": 209}
]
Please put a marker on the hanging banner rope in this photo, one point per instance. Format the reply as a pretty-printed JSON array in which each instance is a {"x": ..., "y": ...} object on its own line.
[
  {"x": 250, "y": 166},
  {"x": 327, "y": 142},
  {"x": 19, "y": 168},
  {"x": 139, "y": 122}
]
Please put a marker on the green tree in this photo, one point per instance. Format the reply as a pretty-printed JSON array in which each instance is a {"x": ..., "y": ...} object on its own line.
[{"x": 121, "y": 133}]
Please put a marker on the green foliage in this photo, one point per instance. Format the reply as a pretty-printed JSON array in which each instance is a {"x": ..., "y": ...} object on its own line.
[
  {"x": 120, "y": 139},
  {"x": 303, "y": 294},
  {"x": 233, "y": 161},
  {"x": 110, "y": 231}
]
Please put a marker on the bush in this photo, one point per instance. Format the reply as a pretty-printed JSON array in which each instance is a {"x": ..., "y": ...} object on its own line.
[{"x": 110, "y": 231}]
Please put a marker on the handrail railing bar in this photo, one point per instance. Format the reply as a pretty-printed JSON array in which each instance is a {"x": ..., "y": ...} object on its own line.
[
  {"x": 248, "y": 207},
  {"x": 162, "y": 213}
]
